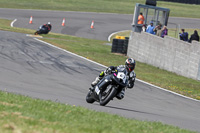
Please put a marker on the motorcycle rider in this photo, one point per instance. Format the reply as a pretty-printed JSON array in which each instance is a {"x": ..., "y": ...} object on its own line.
[
  {"x": 129, "y": 66},
  {"x": 44, "y": 29},
  {"x": 47, "y": 27}
]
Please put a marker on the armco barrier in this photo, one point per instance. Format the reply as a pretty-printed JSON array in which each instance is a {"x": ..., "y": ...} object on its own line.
[{"x": 167, "y": 53}]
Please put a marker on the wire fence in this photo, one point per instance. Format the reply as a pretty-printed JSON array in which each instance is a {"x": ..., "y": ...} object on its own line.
[{"x": 173, "y": 30}]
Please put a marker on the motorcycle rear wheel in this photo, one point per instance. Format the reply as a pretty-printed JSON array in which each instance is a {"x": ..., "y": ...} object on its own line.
[
  {"x": 89, "y": 99},
  {"x": 109, "y": 96}
]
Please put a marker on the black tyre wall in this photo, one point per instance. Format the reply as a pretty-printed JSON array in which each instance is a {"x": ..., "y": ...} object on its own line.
[{"x": 120, "y": 45}]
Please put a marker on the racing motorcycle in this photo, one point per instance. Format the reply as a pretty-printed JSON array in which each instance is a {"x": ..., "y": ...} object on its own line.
[
  {"x": 108, "y": 87},
  {"x": 42, "y": 30}
]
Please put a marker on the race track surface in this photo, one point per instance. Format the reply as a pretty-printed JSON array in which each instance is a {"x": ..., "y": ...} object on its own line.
[
  {"x": 38, "y": 70},
  {"x": 78, "y": 23}
]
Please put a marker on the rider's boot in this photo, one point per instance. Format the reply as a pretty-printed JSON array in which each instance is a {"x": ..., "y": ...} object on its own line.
[
  {"x": 96, "y": 81},
  {"x": 121, "y": 94}
]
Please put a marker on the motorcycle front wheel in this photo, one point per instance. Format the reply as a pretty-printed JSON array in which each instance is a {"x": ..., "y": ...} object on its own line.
[
  {"x": 36, "y": 33},
  {"x": 106, "y": 96},
  {"x": 88, "y": 98}
]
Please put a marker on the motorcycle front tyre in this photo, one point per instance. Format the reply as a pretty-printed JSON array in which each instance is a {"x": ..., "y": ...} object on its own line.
[
  {"x": 110, "y": 96},
  {"x": 36, "y": 33},
  {"x": 89, "y": 99}
]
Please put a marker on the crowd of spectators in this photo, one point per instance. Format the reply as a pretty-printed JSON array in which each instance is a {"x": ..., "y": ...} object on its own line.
[
  {"x": 162, "y": 31},
  {"x": 157, "y": 30},
  {"x": 184, "y": 36}
]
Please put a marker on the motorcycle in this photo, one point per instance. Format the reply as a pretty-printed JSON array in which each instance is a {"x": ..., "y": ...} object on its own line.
[
  {"x": 42, "y": 30},
  {"x": 108, "y": 88}
]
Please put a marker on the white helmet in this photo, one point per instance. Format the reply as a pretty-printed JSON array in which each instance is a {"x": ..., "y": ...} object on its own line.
[{"x": 48, "y": 23}]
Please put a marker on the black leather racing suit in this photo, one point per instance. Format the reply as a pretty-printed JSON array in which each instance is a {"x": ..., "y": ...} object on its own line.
[{"x": 130, "y": 75}]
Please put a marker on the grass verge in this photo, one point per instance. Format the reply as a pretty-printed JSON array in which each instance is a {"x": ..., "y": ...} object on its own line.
[{"x": 20, "y": 114}]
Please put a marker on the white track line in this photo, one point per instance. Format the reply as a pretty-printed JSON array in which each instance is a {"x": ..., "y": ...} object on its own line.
[
  {"x": 11, "y": 24},
  {"x": 116, "y": 33},
  {"x": 106, "y": 67}
]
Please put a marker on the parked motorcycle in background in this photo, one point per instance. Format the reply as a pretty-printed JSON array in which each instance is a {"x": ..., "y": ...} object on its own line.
[{"x": 108, "y": 87}]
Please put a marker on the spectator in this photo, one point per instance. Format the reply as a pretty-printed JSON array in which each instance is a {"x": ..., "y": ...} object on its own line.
[
  {"x": 194, "y": 36},
  {"x": 164, "y": 31},
  {"x": 150, "y": 28},
  {"x": 157, "y": 30},
  {"x": 144, "y": 28},
  {"x": 140, "y": 19},
  {"x": 184, "y": 35}
]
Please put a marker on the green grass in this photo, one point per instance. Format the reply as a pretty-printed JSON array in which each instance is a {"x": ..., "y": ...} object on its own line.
[
  {"x": 20, "y": 114},
  {"x": 111, "y": 6}
]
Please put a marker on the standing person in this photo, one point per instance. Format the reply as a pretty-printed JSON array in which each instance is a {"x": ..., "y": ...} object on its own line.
[
  {"x": 150, "y": 28},
  {"x": 194, "y": 36},
  {"x": 184, "y": 35},
  {"x": 140, "y": 19},
  {"x": 164, "y": 31},
  {"x": 157, "y": 30},
  {"x": 129, "y": 66},
  {"x": 144, "y": 28}
]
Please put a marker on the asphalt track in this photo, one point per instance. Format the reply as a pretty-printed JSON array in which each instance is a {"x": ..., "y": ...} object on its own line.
[
  {"x": 36, "y": 69},
  {"x": 78, "y": 23}
]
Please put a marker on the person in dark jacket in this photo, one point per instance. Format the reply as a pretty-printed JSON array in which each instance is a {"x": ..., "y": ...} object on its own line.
[
  {"x": 47, "y": 27},
  {"x": 184, "y": 35},
  {"x": 194, "y": 36}
]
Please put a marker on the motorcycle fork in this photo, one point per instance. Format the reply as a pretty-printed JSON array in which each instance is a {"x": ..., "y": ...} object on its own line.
[{"x": 104, "y": 83}]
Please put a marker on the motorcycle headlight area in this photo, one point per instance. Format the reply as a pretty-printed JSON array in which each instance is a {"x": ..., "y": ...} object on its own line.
[{"x": 121, "y": 76}]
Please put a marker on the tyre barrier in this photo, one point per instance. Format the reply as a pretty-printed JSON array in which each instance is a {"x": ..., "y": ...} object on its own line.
[
  {"x": 151, "y": 2},
  {"x": 120, "y": 45}
]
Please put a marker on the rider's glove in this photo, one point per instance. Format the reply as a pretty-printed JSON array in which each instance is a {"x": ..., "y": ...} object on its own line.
[{"x": 109, "y": 71}]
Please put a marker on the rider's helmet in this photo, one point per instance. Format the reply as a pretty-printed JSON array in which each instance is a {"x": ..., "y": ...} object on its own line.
[
  {"x": 48, "y": 23},
  {"x": 130, "y": 64}
]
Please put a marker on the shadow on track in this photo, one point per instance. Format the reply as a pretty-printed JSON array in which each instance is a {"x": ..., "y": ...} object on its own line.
[{"x": 131, "y": 110}]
